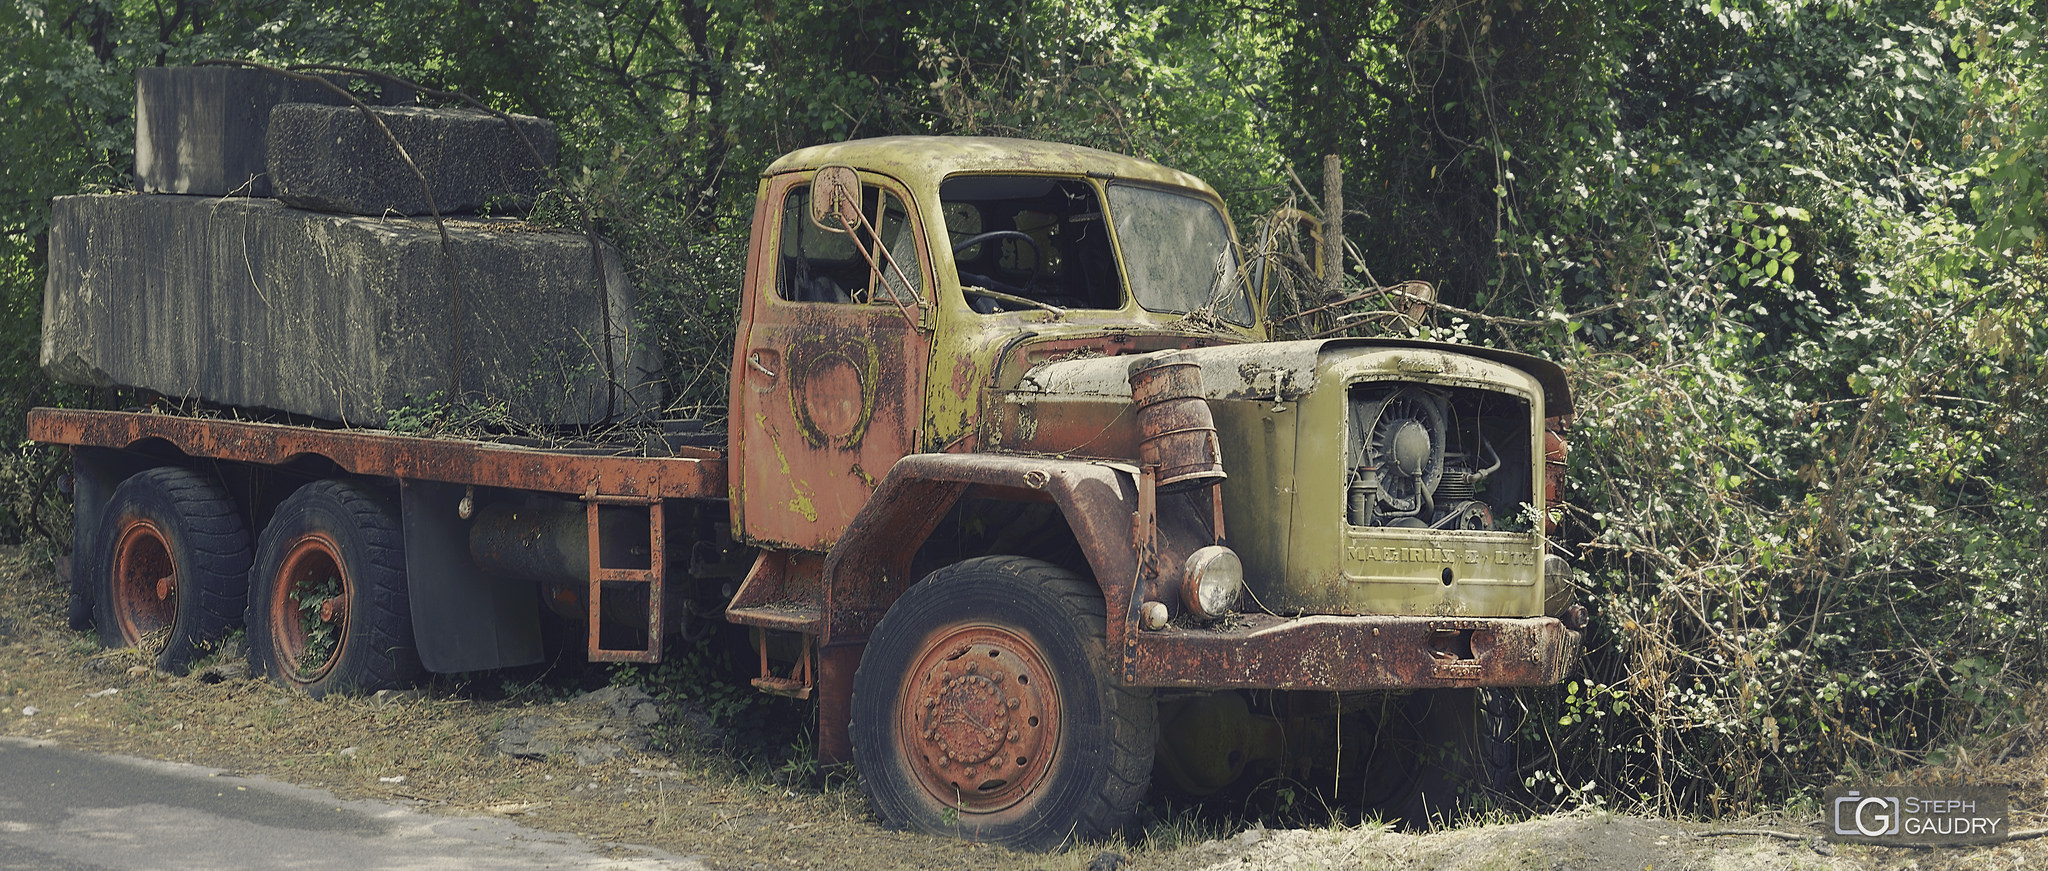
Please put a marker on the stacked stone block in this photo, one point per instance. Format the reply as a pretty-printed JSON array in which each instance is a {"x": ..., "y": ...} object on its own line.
[{"x": 348, "y": 313}]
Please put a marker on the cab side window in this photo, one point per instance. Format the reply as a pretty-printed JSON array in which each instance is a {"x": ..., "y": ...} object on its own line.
[{"x": 819, "y": 265}]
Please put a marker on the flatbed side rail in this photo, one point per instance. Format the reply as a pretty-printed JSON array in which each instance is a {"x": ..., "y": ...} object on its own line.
[{"x": 693, "y": 473}]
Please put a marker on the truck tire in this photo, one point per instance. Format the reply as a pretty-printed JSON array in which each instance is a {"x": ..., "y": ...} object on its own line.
[
  {"x": 328, "y": 609},
  {"x": 984, "y": 707},
  {"x": 171, "y": 566}
]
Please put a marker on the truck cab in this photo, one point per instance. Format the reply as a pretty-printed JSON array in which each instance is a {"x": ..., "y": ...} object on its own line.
[{"x": 978, "y": 258}]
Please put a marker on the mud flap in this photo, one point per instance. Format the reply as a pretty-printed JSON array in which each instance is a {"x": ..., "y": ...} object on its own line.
[{"x": 463, "y": 619}]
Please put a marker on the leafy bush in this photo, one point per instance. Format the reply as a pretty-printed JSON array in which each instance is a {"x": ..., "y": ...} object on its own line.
[{"x": 1807, "y": 466}]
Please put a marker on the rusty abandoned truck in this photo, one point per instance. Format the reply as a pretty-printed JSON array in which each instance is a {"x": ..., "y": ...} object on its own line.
[{"x": 1015, "y": 486}]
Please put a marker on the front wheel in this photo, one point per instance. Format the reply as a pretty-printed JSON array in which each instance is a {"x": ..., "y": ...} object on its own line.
[
  {"x": 328, "y": 609},
  {"x": 983, "y": 707}
]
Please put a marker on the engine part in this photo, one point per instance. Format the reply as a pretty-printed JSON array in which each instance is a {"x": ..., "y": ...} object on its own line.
[{"x": 1428, "y": 458}]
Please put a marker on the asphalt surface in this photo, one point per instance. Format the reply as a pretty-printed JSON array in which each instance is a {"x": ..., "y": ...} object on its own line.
[{"x": 63, "y": 810}]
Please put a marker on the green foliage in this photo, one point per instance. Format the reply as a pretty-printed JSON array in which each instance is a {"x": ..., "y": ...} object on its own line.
[
  {"x": 2003, "y": 64},
  {"x": 32, "y": 506},
  {"x": 1807, "y": 456},
  {"x": 701, "y": 674},
  {"x": 1788, "y": 253},
  {"x": 322, "y": 630}
]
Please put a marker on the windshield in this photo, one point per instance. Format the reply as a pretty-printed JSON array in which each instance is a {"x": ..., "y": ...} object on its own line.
[{"x": 1177, "y": 253}]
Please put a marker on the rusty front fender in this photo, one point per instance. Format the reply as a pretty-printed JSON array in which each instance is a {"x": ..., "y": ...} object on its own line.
[{"x": 870, "y": 566}]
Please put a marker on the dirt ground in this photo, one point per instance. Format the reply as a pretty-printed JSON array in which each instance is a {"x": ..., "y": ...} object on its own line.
[{"x": 448, "y": 751}]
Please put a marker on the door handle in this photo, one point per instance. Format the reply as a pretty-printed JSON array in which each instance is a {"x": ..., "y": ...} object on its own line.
[{"x": 754, "y": 362}]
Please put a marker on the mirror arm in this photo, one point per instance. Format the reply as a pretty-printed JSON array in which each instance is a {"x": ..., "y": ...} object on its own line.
[{"x": 841, "y": 200}]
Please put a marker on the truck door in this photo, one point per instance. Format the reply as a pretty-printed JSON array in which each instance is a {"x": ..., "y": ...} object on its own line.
[{"x": 829, "y": 371}]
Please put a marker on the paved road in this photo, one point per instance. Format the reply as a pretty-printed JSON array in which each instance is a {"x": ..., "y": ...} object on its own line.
[{"x": 63, "y": 810}]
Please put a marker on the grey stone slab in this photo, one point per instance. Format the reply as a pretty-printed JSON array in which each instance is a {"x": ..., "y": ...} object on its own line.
[
  {"x": 200, "y": 130},
  {"x": 247, "y": 303},
  {"x": 334, "y": 159}
]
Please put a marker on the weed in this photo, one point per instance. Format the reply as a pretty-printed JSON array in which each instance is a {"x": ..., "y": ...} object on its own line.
[{"x": 319, "y": 606}]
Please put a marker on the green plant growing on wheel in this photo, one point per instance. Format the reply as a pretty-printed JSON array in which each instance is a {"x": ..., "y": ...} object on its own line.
[
  {"x": 328, "y": 609},
  {"x": 323, "y": 614}
]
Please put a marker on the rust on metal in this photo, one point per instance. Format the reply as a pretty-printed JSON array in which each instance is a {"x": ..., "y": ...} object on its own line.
[
  {"x": 651, "y": 576},
  {"x": 145, "y": 580},
  {"x": 1176, "y": 432},
  {"x": 1554, "y": 453},
  {"x": 822, "y": 391},
  {"x": 311, "y": 566},
  {"x": 691, "y": 473},
  {"x": 545, "y": 542},
  {"x": 836, "y": 665},
  {"x": 836, "y": 203},
  {"x": 1065, "y": 426},
  {"x": 1145, "y": 552},
  {"x": 1356, "y": 653},
  {"x": 798, "y": 684},
  {"x": 783, "y": 591},
  {"x": 870, "y": 567},
  {"x": 981, "y": 721}
]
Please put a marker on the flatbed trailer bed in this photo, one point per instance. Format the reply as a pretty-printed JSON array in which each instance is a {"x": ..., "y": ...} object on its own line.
[
  {"x": 690, "y": 473},
  {"x": 477, "y": 619}
]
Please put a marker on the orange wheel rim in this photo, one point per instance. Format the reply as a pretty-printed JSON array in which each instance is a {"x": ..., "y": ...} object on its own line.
[
  {"x": 980, "y": 721},
  {"x": 145, "y": 581},
  {"x": 309, "y": 608}
]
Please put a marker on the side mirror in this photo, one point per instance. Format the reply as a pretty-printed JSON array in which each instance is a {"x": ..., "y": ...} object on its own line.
[{"x": 835, "y": 194}]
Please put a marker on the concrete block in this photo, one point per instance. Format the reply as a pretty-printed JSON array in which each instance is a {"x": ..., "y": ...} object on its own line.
[
  {"x": 333, "y": 159},
  {"x": 247, "y": 303},
  {"x": 199, "y": 130}
]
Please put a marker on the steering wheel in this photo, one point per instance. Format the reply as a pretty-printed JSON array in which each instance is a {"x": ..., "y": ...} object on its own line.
[
  {"x": 1037, "y": 256},
  {"x": 989, "y": 303}
]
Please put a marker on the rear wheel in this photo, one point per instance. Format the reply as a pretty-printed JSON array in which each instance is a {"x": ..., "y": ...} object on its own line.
[
  {"x": 171, "y": 572},
  {"x": 328, "y": 610},
  {"x": 984, "y": 708}
]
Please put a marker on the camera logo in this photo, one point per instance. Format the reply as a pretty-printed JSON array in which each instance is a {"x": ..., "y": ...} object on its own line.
[{"x": 1871, "y": 816}]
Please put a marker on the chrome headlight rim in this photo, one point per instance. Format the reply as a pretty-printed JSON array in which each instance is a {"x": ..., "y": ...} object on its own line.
[{"x": 1212, "y": 582}]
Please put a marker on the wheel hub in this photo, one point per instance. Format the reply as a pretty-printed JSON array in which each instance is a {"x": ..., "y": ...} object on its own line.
[
  {"x": 145, "y": 581},
  {"x": 309, "y": 592},
  {"x": 969, "y": 719},
  {"x": 983, "y": 713}
]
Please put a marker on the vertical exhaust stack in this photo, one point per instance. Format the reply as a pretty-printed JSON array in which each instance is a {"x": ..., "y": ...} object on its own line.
[{"x": 1176, "y": 431}]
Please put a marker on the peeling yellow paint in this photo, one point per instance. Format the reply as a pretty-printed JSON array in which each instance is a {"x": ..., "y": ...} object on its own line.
[{"x": 801, "y": 504}]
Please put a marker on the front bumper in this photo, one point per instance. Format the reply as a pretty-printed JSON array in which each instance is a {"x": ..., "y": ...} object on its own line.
[{"x": 1262, "y": 651}]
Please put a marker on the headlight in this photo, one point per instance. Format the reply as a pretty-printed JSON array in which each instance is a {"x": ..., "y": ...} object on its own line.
[{"x": 1212, "y": 581}]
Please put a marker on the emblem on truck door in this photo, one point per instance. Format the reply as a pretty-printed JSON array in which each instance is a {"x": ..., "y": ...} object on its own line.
[{"x": 832, "y": 388}]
